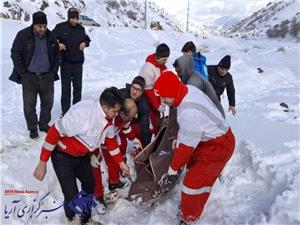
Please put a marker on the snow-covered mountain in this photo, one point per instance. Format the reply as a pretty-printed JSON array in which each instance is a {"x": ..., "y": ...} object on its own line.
[
  {"x": 116, "y": 13},
  {"x": 276, "y": 20}
]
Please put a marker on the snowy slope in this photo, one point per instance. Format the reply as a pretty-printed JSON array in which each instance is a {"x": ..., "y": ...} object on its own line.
[
  {"x": 116, "y": 13},
  {"x": 260, "y": 185},
  {"x": 276, "y": 20},
  {"x": 212, "y": 16}
]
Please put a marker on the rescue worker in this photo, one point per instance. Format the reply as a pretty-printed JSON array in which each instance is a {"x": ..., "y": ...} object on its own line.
[
  {"x": 205, "y": 143},
  {"x": 71, "y": 139},
  {"x": 150, "y": 71}
]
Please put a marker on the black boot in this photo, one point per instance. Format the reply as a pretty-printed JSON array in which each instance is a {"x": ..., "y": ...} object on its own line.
[
  {"x": 45, "y": 128},
  {"x": 33, "y": 134},
  {"x": 112, "y": 187}
]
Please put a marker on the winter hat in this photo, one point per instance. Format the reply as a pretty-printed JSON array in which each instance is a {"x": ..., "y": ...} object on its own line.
[
  {"x": 169, "y": 85},
  {"x": 39, "y": 18},
  {"x": 225, "y": 62},
  {"x": 162, "y": 51},
  {"x": 73, "y": 13},
  {"x": 139, "y": 81}
]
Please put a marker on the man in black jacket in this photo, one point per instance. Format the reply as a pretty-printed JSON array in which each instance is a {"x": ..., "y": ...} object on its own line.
[
  {"x": 140, "y": 124},
  {"x": 72, "y": 42},
  {"x": 220, "y": 79},
  {"x": 35, "y": 57}
]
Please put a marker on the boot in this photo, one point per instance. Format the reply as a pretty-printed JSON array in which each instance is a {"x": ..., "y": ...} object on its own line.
[
  {"x": 113, "y": 187},
  {"x": 45, "y": 128},
  {"x": 33, "y": 134}
]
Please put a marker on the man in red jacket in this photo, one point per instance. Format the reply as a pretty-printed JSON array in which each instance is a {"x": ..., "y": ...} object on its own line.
[
  {"x": 123, "y": 132},
  {"x": 205, "y": 143},
  {"x": 150, "y": 71},
  {"x": 71, "y": 139}
]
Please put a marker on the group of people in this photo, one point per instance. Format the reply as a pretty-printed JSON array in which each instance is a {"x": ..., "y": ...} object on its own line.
[
  {"x": 90, "y": 129},
  {"x": 37, "y": 54}
]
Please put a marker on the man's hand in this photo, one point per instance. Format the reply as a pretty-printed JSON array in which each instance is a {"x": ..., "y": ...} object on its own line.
[
  {"x": 62, "y": 47},
  {"x": 124, "y": 168},
  {"x": 232, "y": 109},
  {"x": 40, "y": 171},
  {"x": 82, "y": 46},
  {"x": 95, "y": 160}
]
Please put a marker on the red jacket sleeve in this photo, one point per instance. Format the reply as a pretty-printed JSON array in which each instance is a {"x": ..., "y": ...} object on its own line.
[
  {"x": 181, "y": 156},
  {"x": 50, "y": 142},
  {"x": 153, "y": 100}
]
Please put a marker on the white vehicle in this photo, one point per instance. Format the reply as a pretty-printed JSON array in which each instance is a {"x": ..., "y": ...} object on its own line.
[{"x": 86, "y": 21}]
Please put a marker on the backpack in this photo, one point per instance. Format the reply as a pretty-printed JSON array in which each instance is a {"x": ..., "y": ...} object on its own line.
[{"x": 200, "y": 64}]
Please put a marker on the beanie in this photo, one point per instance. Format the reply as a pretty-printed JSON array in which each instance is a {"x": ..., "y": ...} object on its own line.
[
  {"x": 169, "y": 85},
  {"x": 39, "y": 18},
  {"x": 139, "y": 81},
  {"x": 73, "y": 13},
  {"x": 225, "y": 62},
  {"x": 162, "y": 51}
]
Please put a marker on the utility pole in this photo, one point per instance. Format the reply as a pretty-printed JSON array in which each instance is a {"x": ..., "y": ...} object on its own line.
[
  {"x": 187, "y": 16},
  {"x": 145, "y": 14}
]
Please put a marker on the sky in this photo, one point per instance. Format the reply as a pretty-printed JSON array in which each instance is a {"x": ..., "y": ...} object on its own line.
[{"x": 203, "y": 9}]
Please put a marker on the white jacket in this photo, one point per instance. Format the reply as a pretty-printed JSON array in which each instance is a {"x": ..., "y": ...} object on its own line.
[
  {"x": 85, "y": 121},
  {"x": 150, "y": 73},
  {"x": 199, "y": 119}
]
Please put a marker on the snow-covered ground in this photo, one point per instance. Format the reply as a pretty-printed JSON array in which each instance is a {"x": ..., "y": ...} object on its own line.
[{"x": 260, "y": 185}]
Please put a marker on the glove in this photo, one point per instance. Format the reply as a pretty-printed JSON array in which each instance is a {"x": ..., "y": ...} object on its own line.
[
  {"x": 136, "y": 143},
  {"x": 162, "y": 108},
  {"x": 166, "y": 180}
]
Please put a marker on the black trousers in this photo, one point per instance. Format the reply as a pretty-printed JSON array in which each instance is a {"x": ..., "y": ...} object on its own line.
[
  {"x": 67, "y": 169},
  {"x": 32, "y": 86},
  {"x": 70, "y": 73}
]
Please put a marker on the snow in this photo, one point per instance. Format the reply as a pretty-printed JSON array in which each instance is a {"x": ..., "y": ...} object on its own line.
[{"x": 260, "y": 184}]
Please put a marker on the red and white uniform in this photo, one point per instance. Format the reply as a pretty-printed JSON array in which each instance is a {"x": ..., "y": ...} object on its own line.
[
  {"x": 150, "y": 71},
  {"x": 122, "y": 132},
  {"x": 81, "y": 131},
  {"x": 205, "y": 143}
]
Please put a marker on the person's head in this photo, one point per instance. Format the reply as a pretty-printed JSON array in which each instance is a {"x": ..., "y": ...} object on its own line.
[
  {"x": 162, "y": 53},
  {"x": 137, "y": 88},
  {"x": 39, "y": 23},
  {"x": 224, "y": 65},
  {"x": 111, "y": 102},
  {"x": 170, "y": 89},
  {"x": 184, "y": 66},
  {"x": 189, "y": 47},
  {"x": 73, "y": 16},
  {"x": 128, "y": 110}
]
